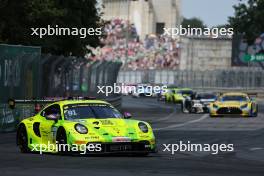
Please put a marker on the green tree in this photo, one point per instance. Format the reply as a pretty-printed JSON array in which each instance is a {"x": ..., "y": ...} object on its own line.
[
  {"x": 18, "y": 17},
  {"x": 193, "y": 22},
  {"x": 248, "y": 19}
]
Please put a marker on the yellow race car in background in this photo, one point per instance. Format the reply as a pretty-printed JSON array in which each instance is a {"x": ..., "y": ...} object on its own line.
[{"x": 234, "y": 104}]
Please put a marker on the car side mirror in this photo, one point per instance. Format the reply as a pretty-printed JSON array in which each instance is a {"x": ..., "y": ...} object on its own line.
[
  {"x": 127, "y": 115},
  {"x": 54, "y": 117}
]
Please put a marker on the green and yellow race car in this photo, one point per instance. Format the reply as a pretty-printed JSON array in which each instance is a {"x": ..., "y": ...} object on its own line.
[
  {"x": 84, "y": 126},
  {"x": 176, "y": 95},
  {"x": 168, "y": 95},
  {"x": 239, "y": 104}
]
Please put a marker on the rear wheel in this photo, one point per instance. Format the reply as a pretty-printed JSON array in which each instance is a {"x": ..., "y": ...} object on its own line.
[
  {"x": 182, "y": 107},
  {"x": 22, "y": 139},
  {"x": 174, "y": 100},
  {"x": 166, "y": 99}
]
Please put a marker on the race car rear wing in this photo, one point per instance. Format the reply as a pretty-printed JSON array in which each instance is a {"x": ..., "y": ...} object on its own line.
[{"x": 38, "y": 102}]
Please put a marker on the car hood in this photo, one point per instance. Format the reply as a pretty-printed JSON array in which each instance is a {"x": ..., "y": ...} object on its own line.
[
  {"x": 231, "y": 103},
  {"x": 111, "y": 126}
]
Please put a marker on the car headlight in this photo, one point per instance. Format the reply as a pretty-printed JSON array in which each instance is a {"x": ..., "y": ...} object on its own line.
[
  {"x": 81, "y": 128},
  {"x": 244, "y": 106},
  {"x": 215, "y": 106},
  {"x": 143, "y": 127}
]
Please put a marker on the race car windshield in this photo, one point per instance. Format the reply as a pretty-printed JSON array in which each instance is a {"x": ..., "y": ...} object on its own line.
[
  {"x": 86, "y": 111},
  {"x": 233, "y": 98},
  {"x": 205, "y": 96},
  {"x": 186, "y": 92}
]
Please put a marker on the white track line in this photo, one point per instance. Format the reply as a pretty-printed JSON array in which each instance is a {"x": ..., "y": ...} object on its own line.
[
  {"x": 256, "y": 148},
  {"x": 182, "y": 124},
  {"x": 167, "y": 117}
]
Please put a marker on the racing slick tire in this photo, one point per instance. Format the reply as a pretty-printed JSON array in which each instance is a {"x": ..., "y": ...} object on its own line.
[
  {"x": 166, "y": 100},
  {"x": 213, "y": 116},
  {"x": 62, "y": 139},
  {"x": 254, "y": 114},
  {"x": 182, "y": 107},
  {"x": 22, "y": 139}
]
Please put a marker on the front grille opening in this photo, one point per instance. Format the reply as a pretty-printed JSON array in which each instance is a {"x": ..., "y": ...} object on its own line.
[{"x": 229, "y": 110}]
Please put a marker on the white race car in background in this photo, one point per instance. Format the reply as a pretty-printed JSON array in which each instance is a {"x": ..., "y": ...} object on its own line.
[{"x": 199, "y": 103}]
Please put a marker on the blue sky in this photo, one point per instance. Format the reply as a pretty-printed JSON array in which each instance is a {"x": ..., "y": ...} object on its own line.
[{"x": 212, "y": 12}]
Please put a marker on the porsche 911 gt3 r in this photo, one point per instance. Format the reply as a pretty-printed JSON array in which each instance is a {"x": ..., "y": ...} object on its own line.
[
  {"x": 82, "y": 123},
  {"x": 234, "y": 104}
]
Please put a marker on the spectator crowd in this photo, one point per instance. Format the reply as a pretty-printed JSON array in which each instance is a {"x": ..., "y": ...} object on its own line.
[{"x": 121, "y": 43}]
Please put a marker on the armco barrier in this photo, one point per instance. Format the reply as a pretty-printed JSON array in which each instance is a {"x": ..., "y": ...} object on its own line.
[
  {"x": 250, "y": 77},
  {"x": 9, "y": 118},
  {"x": 25, "y": 73},
  {"x": 116, "y": 101}
]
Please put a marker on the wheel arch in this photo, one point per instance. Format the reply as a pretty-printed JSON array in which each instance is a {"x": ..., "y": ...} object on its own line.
[{"x": 20, "y": 125}]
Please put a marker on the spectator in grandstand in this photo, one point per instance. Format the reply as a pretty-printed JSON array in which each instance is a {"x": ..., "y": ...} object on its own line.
[{"x": 121, "y": 43}]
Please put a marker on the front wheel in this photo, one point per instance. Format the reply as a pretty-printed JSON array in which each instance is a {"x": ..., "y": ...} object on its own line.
[
  {"x": 22, "y": 139},
  {"x": 61, "y": 138},
  {"x": 254, "y": 114}
]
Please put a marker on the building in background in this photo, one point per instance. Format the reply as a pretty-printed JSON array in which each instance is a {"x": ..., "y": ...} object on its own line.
[
  {"x": 204, "y": 53},
  {"x": 159, "y": 52},
  {"x": 148, "y": 16}
]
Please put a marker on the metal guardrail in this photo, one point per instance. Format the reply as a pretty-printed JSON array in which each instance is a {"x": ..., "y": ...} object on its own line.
[
  {"x": 116, "y": 102},
  {"x": 27, "y": 74},
  {"x": 246, "y": 78},
  {"x": 9, "y": 118}
]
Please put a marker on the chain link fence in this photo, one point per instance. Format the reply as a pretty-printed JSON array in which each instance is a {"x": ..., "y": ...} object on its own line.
[
  {"x": 26, "y": 74},
  {"x": 252, "y": 78}
]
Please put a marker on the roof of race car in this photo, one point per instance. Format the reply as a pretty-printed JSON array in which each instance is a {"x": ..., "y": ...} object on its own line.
[
  {"x": 65, "y": 102},
  {"x": 234, "y": 93}
]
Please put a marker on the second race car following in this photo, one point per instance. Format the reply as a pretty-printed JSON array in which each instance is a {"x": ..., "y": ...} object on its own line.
[
  {"x": 180, "y": 94},
  {"x": 239, "y": 104},
  {"x": 84, "y": 124},
  {"x": 199, "y": 103},
  {"x": 177, "y": 95},
  {"x": 168, "y": 95}
]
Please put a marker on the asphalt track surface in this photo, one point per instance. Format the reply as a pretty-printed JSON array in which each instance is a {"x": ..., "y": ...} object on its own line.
[{"x": 171, "y": 126}]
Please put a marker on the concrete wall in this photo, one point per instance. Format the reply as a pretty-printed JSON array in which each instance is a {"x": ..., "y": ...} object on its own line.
[
  {"x": 205, "y": 53},
  {"x": 168, "y": 12},
  {"x": 228, "y": 78},
  {"x": 144, "y": 14}
]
